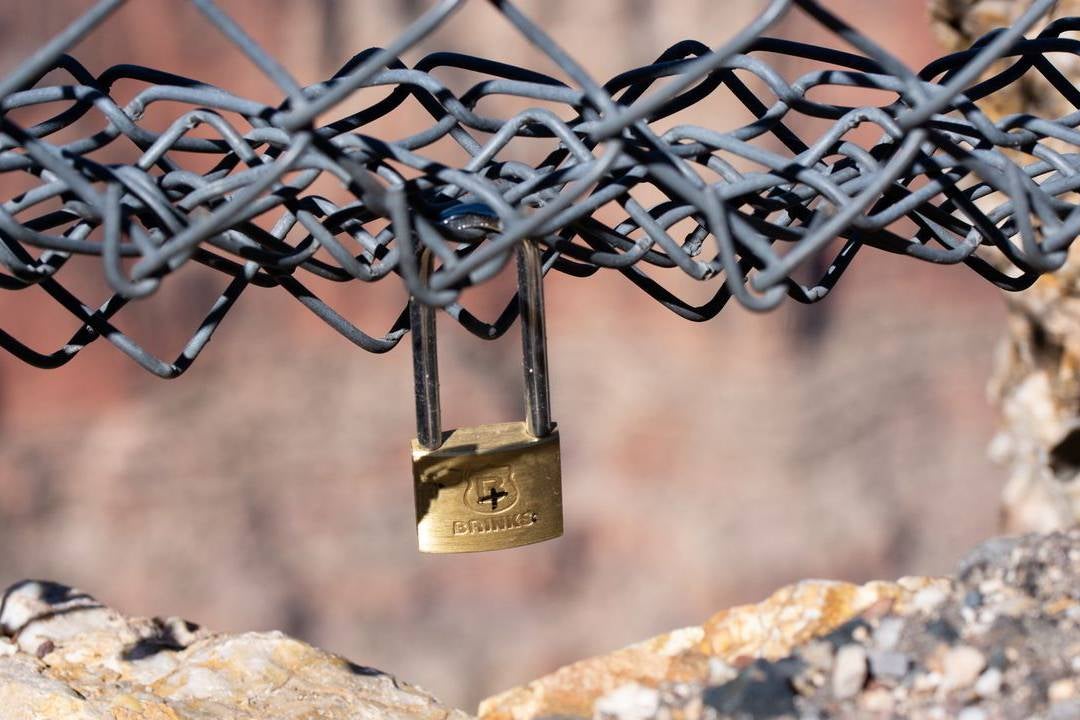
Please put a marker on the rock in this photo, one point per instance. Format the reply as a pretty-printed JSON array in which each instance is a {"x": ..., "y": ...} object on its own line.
[
  {"x": 820, "y": 650},
  {"x": 928, "y": 599},
  {"x": 888, "y": 665},
  {"x": 36, "y": 612},
  {"x": 795, "y": 614},
  {"x": 878, "y": 701},
  {"x": 770, "y": 630},
  {"x": 573, "y": 690},
  {"x": 1067, "y": 710},
  {"x": 972, "y": 713},
  {"x": 888, "y": 632},
  {"x": 849, "y": 671},
  {"x": 1035, "y": 383},
  {"x": 762, "y": 689},
  {"x": 962, "y": 666},
  {"x": 1064, "y": 689},
  {"x": 818, "y": 655},
  {"x": 629, "y": 702},
  {"x": 813, "y": 650},
  {"x": 989, "y": 684},
  {"x": 73, "y": 658}
]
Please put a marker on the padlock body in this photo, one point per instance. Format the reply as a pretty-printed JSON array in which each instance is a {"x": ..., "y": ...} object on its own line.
[{"x": 487, "y": 488}]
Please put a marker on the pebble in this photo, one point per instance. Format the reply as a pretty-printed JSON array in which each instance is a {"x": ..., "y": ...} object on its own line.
[
  {"x": 631, "y": 701},
  {"x": 1065, "y": 710},
  {"x": 888, "y": 664},
  {"x": 926, "y": 682},
  {"x": 720, "y": 672},
  {"x": 849, "y": 671},
  {"x": 928, "y": 599},
  {"x": 887, "y": 635},
  {"x": 818, "y": 655},
  {"x": 877, "y": 700},
  {"x": 1061, "y": 690},
  {"x": 972, "y": 713},
  {"x": 988, "y": 685},
  {"x": 808, "y": 681},
  {"x": 961, "y": 666}
]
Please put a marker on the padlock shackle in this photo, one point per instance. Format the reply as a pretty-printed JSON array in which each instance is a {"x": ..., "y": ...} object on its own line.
[
  {"x": 530, "y": 271},
  {"x": 425, "y": 363}
]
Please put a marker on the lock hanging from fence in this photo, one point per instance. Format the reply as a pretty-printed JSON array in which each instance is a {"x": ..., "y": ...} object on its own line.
[{"x": 493, "y": 486}]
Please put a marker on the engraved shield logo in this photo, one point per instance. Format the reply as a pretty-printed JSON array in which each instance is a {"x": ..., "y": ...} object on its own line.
[{"x": 491, "y": 491}]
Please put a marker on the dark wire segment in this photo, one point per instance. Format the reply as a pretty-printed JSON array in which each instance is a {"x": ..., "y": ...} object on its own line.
[{"x": 749, "y": 208}]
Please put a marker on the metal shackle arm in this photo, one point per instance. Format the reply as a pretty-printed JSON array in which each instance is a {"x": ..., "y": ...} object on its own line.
[
  {"x": 534, "y": 339},
  {"x": 530, "y": 273},
  {"x": 425, "y": 354}
]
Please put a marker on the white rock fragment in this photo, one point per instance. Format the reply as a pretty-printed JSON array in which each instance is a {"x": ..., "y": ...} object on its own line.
[
  {"x": 1062, "y": 689},
  {"x": 849, "y": 671},
  {"x": 928, "y": 599},
  {"x": 887, "y": 635},
  {"x": 988, "y": 686},
  {"x": 631, "y": 701},
  {"x": 38, "y": 612},
  {"x": 972, "y": 713},
  {"x": 720, "y": 671},
  {"x": 961, "y": 666},
  {"x": 888, "y": 664},
  {"x": 818, "y": 655},
  {"x": 878, "y": 701}
]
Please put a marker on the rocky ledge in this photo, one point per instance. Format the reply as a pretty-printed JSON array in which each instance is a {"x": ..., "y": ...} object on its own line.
[
  {"x": 68, "y": 657},
  {"x": 1000, "y": 639}
]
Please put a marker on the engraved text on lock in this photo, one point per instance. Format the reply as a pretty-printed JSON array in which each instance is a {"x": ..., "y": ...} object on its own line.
[{"x": 494, "y": 492}]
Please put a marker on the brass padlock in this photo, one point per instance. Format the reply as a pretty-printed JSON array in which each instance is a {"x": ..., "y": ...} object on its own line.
[{"x": 494, "y": 486}]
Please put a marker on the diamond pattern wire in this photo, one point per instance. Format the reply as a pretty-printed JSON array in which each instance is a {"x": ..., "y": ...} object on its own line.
[{"x": 943, "y": 183}]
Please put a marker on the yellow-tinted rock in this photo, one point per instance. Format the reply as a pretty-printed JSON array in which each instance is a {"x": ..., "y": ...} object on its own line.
[
  {"x": 769, "y": 629},
  {"x": 794, "y": 614}
]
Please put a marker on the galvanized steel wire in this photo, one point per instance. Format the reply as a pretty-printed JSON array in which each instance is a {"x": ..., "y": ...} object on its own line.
[{"x": 943, "y": 183}]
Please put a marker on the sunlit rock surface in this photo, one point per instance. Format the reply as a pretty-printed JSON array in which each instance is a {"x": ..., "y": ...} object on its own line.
[
  {"x": 1000, "y": 639},
  {"x": 65, "y": 656}
]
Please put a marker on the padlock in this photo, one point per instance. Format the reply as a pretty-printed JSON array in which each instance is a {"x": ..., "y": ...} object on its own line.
[{"x": 494, "y": 486}]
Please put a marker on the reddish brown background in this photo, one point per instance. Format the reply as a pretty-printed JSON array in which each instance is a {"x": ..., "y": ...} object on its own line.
[{"x": 704, "y": 465}]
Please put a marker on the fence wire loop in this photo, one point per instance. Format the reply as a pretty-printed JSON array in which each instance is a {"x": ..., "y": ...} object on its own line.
[{"x": 748, "y": 209}]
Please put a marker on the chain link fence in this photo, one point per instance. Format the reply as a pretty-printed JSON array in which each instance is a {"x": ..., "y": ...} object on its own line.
[{"x": 757, "y": 210}]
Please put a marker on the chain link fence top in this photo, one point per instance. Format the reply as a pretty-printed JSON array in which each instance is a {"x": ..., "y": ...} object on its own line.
[{"x": 942, "y": 183}]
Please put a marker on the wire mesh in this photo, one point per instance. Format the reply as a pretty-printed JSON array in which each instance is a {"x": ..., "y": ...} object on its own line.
[{"x": 942, "y": 182}]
